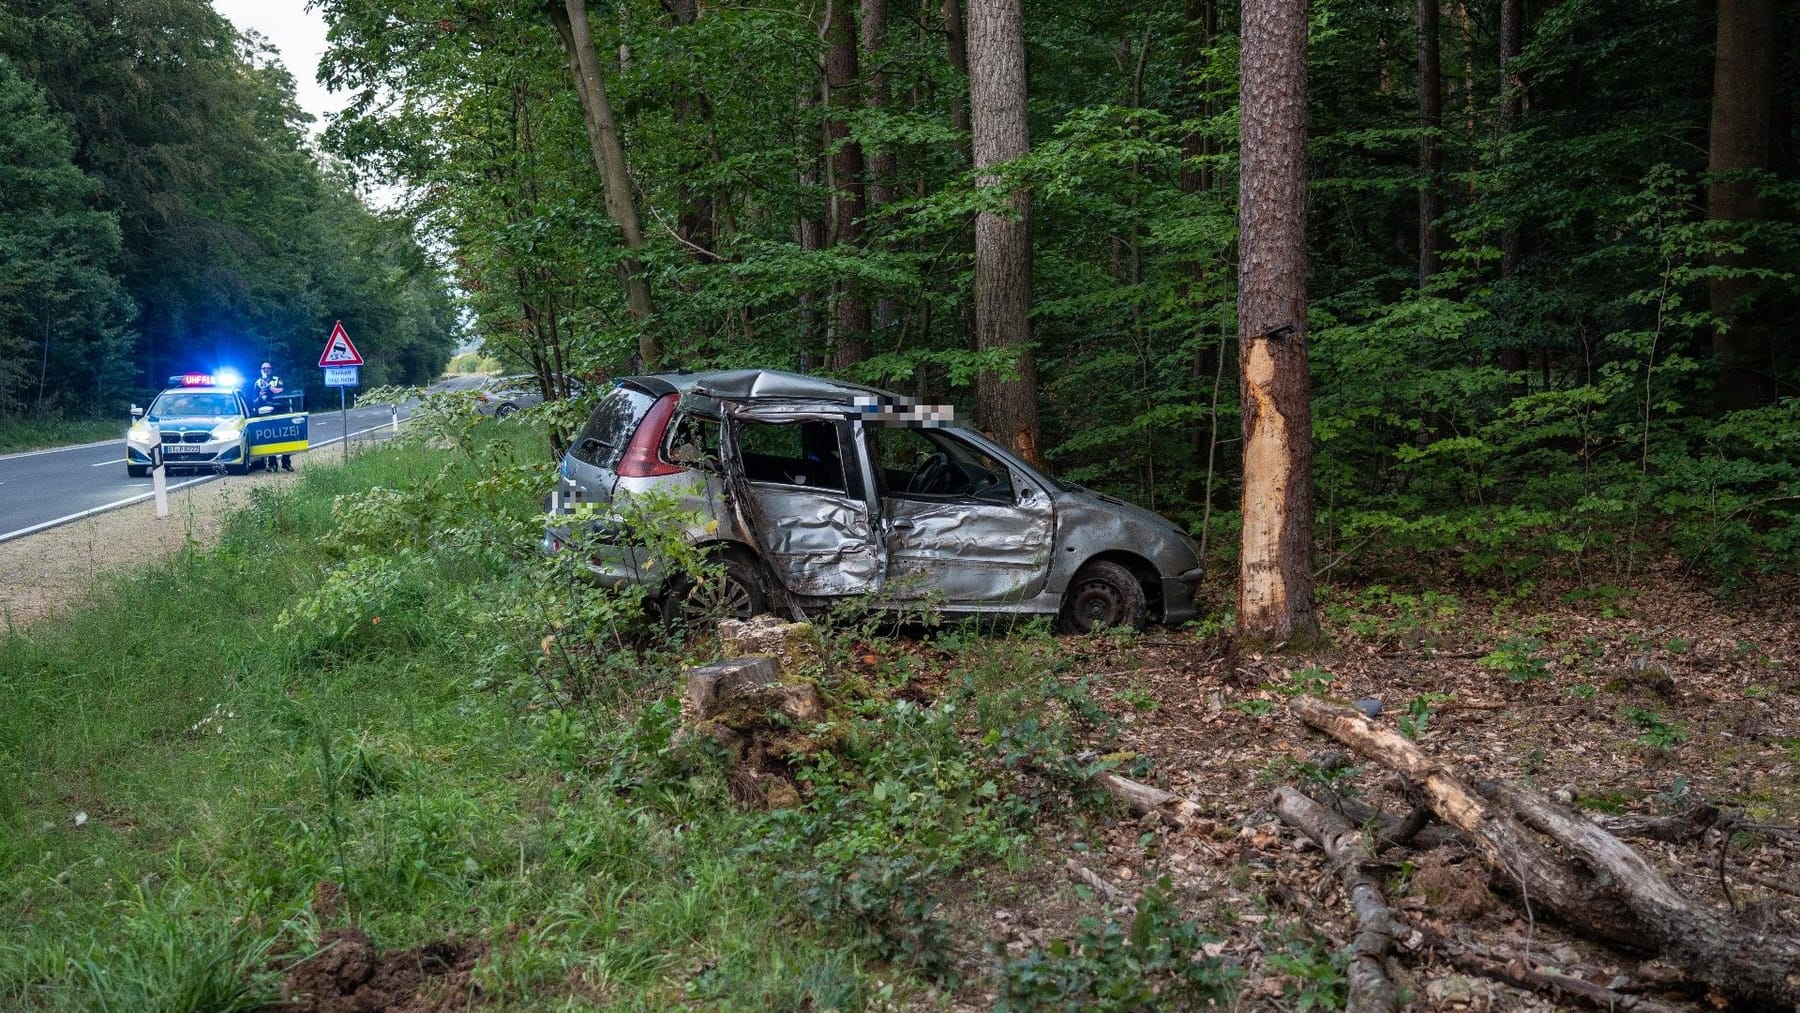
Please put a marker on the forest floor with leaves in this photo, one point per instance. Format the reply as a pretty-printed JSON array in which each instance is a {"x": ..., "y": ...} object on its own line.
[{"x": 1646, "y": 702}]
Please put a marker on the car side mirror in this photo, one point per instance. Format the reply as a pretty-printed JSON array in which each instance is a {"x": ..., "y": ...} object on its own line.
[{"x": 137, "y": 412}]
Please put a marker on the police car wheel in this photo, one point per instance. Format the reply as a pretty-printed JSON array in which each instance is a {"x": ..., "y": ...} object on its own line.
[{"x": 137, "y": 470}]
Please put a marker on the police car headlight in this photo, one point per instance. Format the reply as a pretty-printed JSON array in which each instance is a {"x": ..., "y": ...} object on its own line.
[
  {"x": 225, "y": 431},
  {"x": 140, "y": 434}
]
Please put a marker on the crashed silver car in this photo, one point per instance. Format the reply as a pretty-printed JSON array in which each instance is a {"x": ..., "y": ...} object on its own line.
[{"x": 810, "y": 491}]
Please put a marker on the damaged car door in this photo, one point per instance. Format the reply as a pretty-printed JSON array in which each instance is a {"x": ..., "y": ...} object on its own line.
[
  {"x": 959, "y": 521},
  {"x": 800, "y": 490}
]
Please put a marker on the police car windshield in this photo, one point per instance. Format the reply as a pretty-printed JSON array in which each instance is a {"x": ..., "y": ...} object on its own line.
[{"x": 176, "y": 405}]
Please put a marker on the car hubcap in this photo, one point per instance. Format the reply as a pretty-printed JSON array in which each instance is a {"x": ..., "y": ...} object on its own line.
[{"x": 1096, "y": 604}]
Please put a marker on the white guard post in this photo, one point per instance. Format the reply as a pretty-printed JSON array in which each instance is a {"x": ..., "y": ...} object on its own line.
[{"x": 159, "y": 481}]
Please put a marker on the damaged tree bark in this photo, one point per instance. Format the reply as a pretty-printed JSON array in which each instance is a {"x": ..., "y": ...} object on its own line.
[
  {"x": 1612, "y": 894},
  {"x": 1372, "y": 989}
]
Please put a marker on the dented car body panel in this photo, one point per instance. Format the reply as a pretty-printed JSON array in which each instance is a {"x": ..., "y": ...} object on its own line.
[{"x": 837, "y": 491}]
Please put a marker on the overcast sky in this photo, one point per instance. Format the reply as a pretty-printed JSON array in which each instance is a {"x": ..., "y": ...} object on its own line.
[{"x": 300, "y": 35}]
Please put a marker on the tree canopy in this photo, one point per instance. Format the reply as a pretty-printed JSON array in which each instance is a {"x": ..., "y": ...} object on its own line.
[
  {"x": 166, "y": 211},
  {"x": 1588, "y": 347}
]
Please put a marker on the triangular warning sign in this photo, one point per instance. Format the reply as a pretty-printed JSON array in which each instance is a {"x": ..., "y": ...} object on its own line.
[{"x": 338, "y": 349}]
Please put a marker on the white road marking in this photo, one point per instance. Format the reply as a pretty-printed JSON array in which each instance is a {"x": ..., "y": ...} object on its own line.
[
  {"x": 58, "y": 450},
  {"x": 139, "y": 498}
]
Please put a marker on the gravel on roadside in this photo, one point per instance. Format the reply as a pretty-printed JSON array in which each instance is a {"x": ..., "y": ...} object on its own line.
[{"x": 47, "y": 573}]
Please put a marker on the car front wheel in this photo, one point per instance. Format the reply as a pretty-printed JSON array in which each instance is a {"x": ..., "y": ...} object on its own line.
[
  {"x": 1103, "y": 594},
  {"x": 137, "y": 470}
]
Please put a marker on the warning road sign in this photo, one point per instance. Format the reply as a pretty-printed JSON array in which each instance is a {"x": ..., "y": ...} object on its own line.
[{"x": 338, "y": 349}]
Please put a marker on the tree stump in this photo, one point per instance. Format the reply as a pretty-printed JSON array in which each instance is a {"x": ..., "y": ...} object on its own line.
[
  {"x": 764, "y": 722},
  {"x": 797, "y": 649}
]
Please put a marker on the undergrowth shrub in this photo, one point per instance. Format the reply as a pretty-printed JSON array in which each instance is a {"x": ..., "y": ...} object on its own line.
[{"x": 1156, "y": 961}]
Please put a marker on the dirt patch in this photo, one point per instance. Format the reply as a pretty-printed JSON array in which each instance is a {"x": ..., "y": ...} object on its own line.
[{"x": 348, "y": 975}]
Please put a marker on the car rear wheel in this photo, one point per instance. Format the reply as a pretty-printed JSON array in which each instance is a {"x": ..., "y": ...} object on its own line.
[
  {"x": 734, "y": 592},
  {"x": 1102, "y": 594}
]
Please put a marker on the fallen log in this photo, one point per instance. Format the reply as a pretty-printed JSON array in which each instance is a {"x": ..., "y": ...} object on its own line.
[
  {"x": 1394, "y": 830},
  {"x": 1372, "y": 989},
  {"x": 1687, "y": 825},
  {"x": 1732, "y": 957},
  {"x": 1144, "y": 799},
  {"x": 1515, "y": 970},
  {"x": 1537, "y": 874},
  {"x": 1616, "y": 896}
]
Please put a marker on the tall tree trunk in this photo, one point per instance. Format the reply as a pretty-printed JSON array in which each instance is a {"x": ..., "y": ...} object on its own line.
[
  {"x": 809, "y": 233},
  {"x": 696, "y": 222},
  {"x": 1743, "y": 82},
  {"x": 850, "y": 312},
  {"x": 1275, "y": 592},
  {"x": 997, "y": 93},
  {"x": 571, "y": 20},
  {"x": 1196, "y": 177},
  {"x": 882, "y": 163},
  {"x": 1512, "y": 34},
  {"x": 956, "y": 44},
  {"x": 1431, "y": 126}
]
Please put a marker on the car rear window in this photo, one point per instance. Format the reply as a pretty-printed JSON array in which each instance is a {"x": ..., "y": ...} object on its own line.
[{"x": 602, "y": 440}]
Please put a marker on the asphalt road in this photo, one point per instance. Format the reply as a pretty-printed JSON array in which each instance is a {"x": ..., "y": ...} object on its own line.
[{"x": 43, "y": 488}]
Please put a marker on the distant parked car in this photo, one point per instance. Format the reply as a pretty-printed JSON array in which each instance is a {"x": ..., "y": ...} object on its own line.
[
  {"x": 509, "y": 395},
  {"x": 808, "y": 491}
]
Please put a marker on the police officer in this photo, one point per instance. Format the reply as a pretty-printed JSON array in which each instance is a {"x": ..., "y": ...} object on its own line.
[
  {"x": 265, "y": 379},
  {"x": 268, "y": 388}
]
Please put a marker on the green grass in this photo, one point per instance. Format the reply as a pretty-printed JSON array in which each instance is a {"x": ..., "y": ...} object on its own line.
[
  {"x": 354, "y": 688},
  {"x": 20, "y": 434}
]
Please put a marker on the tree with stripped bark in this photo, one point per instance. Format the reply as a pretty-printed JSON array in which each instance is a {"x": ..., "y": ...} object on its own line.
[{"x": 1275, "y": 590}]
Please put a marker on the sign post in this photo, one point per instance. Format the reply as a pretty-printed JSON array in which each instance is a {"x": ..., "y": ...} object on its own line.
[{"x": 340, "y": 361}]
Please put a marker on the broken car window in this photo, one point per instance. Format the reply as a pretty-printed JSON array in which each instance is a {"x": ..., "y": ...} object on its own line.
[
  {"x": 792, "y": 453},
  {"x": 694, "y": 442}
]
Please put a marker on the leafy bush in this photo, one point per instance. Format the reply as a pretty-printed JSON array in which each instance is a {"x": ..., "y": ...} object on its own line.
[{"x": 1155, "y": 962}]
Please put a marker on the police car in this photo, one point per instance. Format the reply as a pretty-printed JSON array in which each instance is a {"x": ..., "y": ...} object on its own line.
[{"x": 202, "y": 423}]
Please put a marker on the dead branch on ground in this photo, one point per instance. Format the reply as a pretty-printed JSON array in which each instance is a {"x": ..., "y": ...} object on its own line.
[
  {"x": 1612, "y": 893},
  {"x": 1372, "y": 988}
]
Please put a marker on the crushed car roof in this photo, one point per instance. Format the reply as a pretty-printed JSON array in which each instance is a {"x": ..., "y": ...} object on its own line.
[{"x": 744, "y": 384}]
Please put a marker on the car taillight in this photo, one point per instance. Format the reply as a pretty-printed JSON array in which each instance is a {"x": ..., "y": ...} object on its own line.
[{"x": 640, "y": 459}]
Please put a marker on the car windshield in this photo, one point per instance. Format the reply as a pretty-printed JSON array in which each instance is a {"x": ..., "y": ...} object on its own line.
[{"x": 183, "y": 404}]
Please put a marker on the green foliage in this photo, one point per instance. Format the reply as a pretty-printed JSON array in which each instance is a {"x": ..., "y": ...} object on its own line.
[
  {"x": 62, "y": 311},
  {"x": 170, "y": 960},
  {"x": 1658, "y": 732},
  {"x": 1307, "y": 681},
  {"x": 1418, "y": 713},
  {"x": 1518, "y": 659},
  {"x": 1316, "y": 978},
  {"x": 1155, "y": 961}
]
